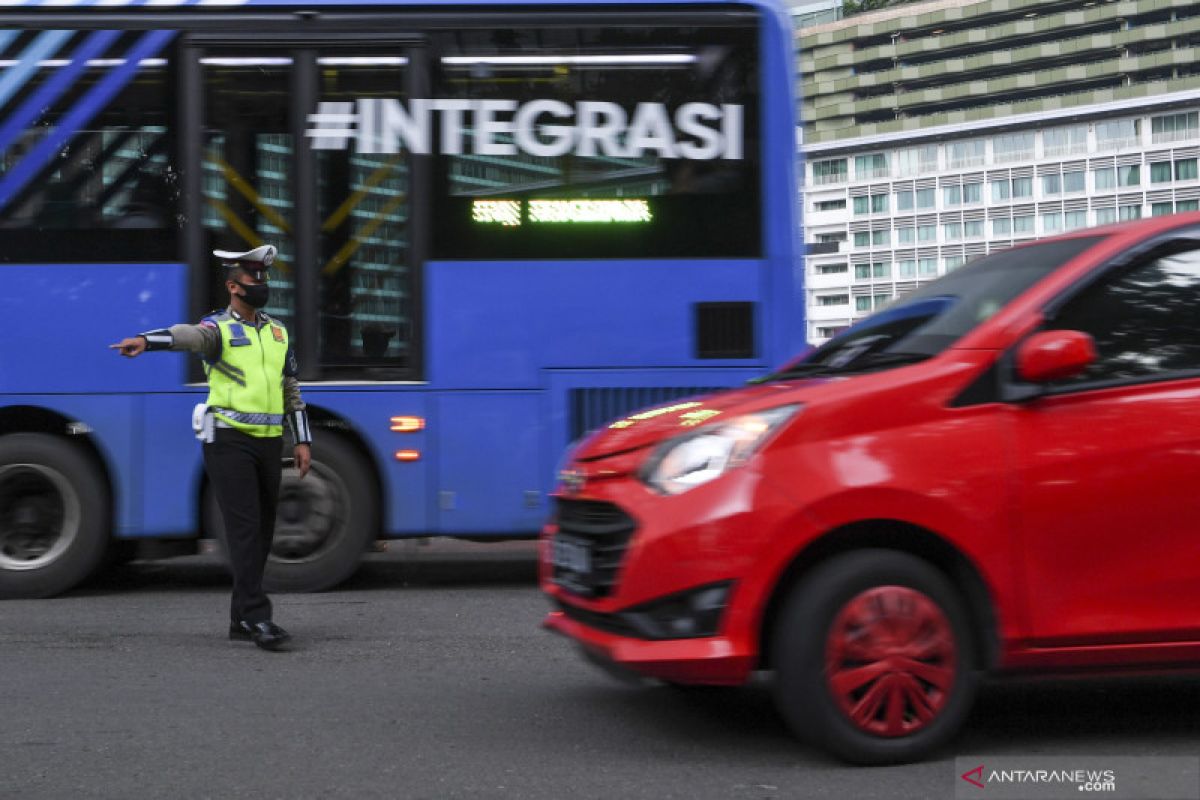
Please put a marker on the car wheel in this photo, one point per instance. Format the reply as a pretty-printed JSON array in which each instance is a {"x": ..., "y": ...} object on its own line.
[
  {"x": 54, "y": 515},
  {"x": 324, "y": 522},
  {"x": 875, "y": 658}
]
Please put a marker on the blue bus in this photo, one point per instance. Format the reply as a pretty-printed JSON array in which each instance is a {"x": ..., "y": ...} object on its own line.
[{"x": 499, "y": 225}]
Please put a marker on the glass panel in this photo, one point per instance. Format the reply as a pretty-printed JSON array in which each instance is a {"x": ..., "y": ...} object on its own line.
[
  {"x": 86, "y": 175},
  {"x": 1143, "y": 322},
  {"x": 362, "y": 201},
  {"x": 615, "y": 141},
  {"x": 248, "y": 165}
]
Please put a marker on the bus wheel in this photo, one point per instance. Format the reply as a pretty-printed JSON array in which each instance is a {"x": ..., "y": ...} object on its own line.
[
  {"x": 875, "y": 659},
  {"x": 324, "y": 523},
  {"x": 54, "y": 515}
]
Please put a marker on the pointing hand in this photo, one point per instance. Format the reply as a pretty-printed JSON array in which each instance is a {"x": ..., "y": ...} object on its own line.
[{"x": 130, "y": 348}]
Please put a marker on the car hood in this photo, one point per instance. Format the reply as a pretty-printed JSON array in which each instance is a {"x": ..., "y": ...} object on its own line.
[{"x": 649, "y": 426}]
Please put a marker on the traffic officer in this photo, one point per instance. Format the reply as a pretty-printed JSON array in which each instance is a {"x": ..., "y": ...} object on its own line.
[{"x": 253, "y": 388}]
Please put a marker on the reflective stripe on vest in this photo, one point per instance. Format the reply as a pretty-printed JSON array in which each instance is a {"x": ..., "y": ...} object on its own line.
[{"x": 245, "y": 387}]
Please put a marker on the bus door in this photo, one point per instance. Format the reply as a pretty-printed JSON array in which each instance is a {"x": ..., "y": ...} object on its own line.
[{"x": 272, "y": 146}]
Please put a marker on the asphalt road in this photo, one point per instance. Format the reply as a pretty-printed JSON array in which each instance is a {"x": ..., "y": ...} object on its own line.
[{"x": 428, "y": 677}]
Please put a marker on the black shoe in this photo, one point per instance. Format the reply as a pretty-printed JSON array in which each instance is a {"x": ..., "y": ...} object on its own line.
[
  {"x": 239, "y": 632},
  {"x": 267, "y": 635}
]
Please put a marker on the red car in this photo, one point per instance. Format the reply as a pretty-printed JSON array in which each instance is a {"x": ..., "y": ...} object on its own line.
[{"x": 998, "y": 472}]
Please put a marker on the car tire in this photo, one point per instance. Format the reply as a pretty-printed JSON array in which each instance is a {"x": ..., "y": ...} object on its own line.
[
  {"x": 874, "y": 658},
  {"x": 54, "y": 515},
  {"x": 324, "y": 524}
]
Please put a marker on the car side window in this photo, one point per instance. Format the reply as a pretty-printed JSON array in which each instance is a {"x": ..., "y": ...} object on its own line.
[{"x": 1144, "y": 321}]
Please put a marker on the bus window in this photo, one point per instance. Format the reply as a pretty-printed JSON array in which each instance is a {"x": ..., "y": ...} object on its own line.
[
  {"x": 248, "y": 164},
  {"x": 85, "y": 147},
  {"x": 600, "y": 141},
  {"x": 363, "y": 203}
]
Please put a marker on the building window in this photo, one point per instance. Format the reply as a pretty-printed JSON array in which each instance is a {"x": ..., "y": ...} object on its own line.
[
  {"x": 1161, "y": 209},
  {"x": 830, "y": 205},
  {"x": 829, "y": 171},
  {"x": 1001, "y": 226},
  {"x": 872, "y": 166},
  {"x": 836, "y": 236},
  {"x": 972, "y": 193},
  {"x": 1022, "y": 187},
  {"x": 829, "y": 333},
  {"x": 1106, "y": 216},
  {"x": 1074, "y": 181},
  {"x": 904, "y": 200},
  {"x": 926, "y": 198},
  {"x": 862, "y": 272},
  {"x": 907, "y": 268},
  {"x": 1105, "y": 178},
  {"x": 1129, "y": 176},
  {"x": 917, "y": 160},
  {"x": 973, "y": 229},
  {"x": 970, "y": 153},
  {"x": 1160, "y": 172},
  {"x": 882, "y": 300},
  {"x": 862, "y": 205},
  {"x": 833, "y": 299},
  {"x": 1175, "y": 127},
  {"x": 881, "y": 237},
  {"x": 906, "y": 235},
  {"x": 953, "y": 230},
  {"x": 927, "y": 233},
  {"x": 1052, "y": 223},
  {"x": 1012, "y": 147},
  {"x": 1187, "y": 205},
  {"x": 831, "y": 269},
  {"x": 1023, "y": 224},
  {"x": 862, "y": 238},
  {"x": 1065, "y": 141},
  {"x": 952, "y": 196},
  {"x": 1130, "y": 212},
  {"x": 1185, "y": 169},
  {"x": 1001, "y": 190},
  {"x": 881, "y": 269},
  {"x": 954, "y": 262},
  {"x": 1074, "y": 219},
  {"x": 1118, "y": 133},
  {"x": 879, "y": 203},
  {"x": 862, "y": 303},
  {"x": 1051, "y": 184},
  {"x": 927, "y": 267}
]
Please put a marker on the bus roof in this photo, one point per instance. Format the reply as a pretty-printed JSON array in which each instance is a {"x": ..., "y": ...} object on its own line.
[{"x": 160, "y": 5}]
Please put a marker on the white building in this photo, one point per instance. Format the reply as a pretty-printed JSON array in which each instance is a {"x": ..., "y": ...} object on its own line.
[{"x": 942, "y": 131}]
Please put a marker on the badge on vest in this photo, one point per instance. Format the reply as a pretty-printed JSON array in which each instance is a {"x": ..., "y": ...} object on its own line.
[
  {"x": 237, "y": 335},
  {"x": 277, "y": 332}
]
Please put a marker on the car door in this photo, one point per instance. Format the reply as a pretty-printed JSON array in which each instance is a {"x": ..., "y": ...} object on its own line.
[{"x": 1108, "y": 464}]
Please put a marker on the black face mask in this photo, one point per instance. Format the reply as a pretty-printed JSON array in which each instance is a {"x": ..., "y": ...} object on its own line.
[{"x": 256, "y": 295}]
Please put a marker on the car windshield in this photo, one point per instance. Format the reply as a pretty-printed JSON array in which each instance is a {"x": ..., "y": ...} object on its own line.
[{"x": 930, "y": 319}]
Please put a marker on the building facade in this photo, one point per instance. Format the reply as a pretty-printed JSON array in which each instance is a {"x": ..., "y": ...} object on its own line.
[{"x": 938, "y": 132}]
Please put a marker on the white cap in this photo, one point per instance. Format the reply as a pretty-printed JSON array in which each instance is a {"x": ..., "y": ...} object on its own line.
[{"x": 262, "y": 256}]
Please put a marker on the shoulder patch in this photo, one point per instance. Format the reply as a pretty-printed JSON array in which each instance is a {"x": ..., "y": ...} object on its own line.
[{"x": 277, "y": 332}]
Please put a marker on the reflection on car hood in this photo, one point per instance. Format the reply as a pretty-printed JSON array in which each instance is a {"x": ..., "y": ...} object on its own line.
[{"x": 648, "y": 426}]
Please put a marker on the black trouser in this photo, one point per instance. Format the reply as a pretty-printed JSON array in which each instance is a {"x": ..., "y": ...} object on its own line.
[{"x": 244, "y": 472}]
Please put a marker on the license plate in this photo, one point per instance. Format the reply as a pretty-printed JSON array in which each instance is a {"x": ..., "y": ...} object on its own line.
[{"x": 572, "y": 555}]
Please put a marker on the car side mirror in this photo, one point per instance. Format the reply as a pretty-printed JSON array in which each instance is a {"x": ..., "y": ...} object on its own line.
[{"x": 1054, "y": 355}]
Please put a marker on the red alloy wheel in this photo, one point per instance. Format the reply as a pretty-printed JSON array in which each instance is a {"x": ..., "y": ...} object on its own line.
[{"x": 891, "y": 661}]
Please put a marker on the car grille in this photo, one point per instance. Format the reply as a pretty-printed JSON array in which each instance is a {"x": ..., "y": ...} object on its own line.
[{"x": 607, "y": 530}]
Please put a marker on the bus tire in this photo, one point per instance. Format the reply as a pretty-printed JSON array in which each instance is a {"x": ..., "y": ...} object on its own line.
[
  {"x": 54, "y": 515},
  {"x": 324, "y": 523}
]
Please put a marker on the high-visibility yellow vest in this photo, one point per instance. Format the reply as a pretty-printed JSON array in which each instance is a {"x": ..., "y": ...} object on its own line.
[{"x": 245, "y": 385}]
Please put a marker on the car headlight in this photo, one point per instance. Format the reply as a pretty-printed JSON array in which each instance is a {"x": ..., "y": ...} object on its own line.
[{"x": 688, "y": 461}]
